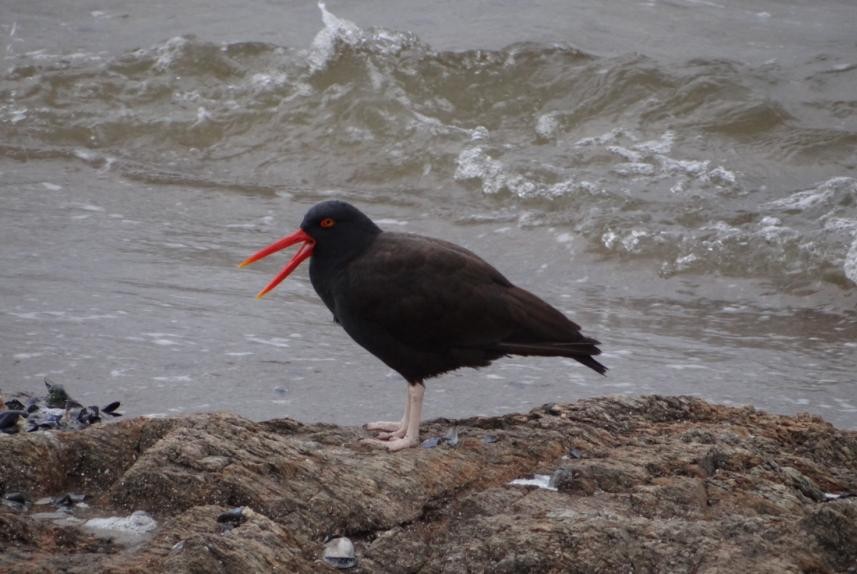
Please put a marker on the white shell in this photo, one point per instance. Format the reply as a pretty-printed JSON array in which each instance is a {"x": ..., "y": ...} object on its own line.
[{"x": 339, "y": 553}]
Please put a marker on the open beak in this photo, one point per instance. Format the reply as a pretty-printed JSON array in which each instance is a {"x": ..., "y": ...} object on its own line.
[{"x": 299, "y": 236}]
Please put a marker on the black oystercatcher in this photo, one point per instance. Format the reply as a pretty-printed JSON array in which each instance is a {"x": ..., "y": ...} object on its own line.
[{"x": 424, "y": 306}]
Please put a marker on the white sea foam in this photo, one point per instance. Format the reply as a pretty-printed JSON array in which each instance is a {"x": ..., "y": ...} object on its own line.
[
  {"x": 324, "y": 44},
  {"x": 475, "y": 163},
  {"x": 547, "y": 124},
  {"x": 662, "y": 145},
  {"x": 688, "y": 167},
  {"x": 623, "y": 152},
  {"x": 263, "y": 82},
  {"x": 610, "y": 136},
  {"x": 823, "y": 194},
  {"x": 630, "y": 241},
  {"x": 633, "y": 168},
  {"x": 850, "y": 265},
  {"x": 168, "y": 52}
]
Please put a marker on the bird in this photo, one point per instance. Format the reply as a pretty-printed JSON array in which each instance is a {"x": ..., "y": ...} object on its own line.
[{"x": 423, "y": 306}]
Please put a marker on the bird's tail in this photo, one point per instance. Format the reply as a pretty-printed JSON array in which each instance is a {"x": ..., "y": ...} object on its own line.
[{"x": 581, "y": 351}]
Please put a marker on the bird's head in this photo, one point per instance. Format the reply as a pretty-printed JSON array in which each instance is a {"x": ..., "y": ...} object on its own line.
[{"x": 331, "y": 229}]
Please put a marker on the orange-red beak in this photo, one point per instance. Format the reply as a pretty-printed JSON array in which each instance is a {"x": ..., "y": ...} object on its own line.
[{"x": 299, "y": 236}]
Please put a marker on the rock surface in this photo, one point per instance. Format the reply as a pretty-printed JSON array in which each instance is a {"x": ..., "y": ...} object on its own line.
[{"x": 651, "y": 484}]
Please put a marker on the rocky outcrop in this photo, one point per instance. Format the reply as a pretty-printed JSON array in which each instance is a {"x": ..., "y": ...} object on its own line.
[{"x": 653, "y": 484}]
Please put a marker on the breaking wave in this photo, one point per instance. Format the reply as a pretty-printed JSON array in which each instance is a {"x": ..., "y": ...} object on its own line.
[{"x": 694, "y": 168}]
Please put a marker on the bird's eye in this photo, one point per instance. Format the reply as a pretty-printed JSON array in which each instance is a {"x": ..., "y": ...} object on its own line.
[{"x": 327, "y": 223}]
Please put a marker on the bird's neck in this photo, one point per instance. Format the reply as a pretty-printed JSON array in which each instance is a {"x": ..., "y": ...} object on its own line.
[{"x": 328, "y": 265}]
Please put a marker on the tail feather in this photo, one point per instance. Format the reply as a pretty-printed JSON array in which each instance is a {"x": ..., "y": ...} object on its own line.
[{"x": 581, "y": 351}]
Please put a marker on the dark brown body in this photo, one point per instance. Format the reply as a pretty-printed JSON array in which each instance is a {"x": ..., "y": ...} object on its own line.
[{"x": 426, "y": 306}]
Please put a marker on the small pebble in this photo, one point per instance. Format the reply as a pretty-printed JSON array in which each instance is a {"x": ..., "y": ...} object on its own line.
[
  {"x": 490, "y": 438},
  {"x": 575, "y": 453},
  {"x": 451, "y": 437}
]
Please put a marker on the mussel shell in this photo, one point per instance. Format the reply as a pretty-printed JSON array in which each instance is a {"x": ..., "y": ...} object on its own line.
[
  {"x": 57, "y": 395},
  {"x": 69, "y": 499},
  {"x": 15, "y": 500},
  {"x": 15, "y": 405},
  {"x": 89, "y": 415},
  {"x": 233, "y": 516},
  {"x": 17, "y": 497},
  {"x": 9, "y": 419},
  {"x": 431, "y": 442},
  {"x": 339, "y": 553},
  {"x": 111, "y": 408}
]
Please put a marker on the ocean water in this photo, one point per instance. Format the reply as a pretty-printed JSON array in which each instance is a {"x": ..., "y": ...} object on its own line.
[{"x": 679, "y": 177}]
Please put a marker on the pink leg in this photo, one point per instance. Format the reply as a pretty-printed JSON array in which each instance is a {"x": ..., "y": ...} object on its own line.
[
  {"x": 393, "y": 429},
  {"x": 413, "y": 414}
]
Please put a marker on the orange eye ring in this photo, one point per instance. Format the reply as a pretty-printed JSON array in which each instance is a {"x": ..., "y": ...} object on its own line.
[{"x": 327, "y": 223}]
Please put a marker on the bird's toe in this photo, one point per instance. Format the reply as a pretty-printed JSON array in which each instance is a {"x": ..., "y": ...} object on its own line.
[
  {"x": 398, "y": 433},
  {"x": 392, "y": 445},
  {"x": 388, "y": 426}
]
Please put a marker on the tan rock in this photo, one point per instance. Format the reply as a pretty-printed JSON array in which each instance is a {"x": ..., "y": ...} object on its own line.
[{"x": 655, "y": 484}]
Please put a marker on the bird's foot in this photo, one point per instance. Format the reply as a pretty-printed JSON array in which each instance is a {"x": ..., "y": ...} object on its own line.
[
  {"x": 389, "y": 426},
  {"x": 398, "y": 433},
  {"x": 393, "y": 445}
]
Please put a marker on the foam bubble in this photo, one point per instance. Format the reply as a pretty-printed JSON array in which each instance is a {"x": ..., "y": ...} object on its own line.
[
  {"x": 475, "y": 163},
  {"x": 630, "y": 155},
  {"x": 662, "y": 145},
  {"x": 169, "y": 52},
  {"x": 547, "y": 124}
]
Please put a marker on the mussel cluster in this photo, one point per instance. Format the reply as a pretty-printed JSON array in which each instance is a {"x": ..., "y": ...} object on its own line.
[{"x": 55, "y": 411}]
